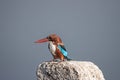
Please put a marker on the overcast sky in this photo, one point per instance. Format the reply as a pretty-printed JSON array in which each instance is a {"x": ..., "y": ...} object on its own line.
[{"x": 90, "y": 30}]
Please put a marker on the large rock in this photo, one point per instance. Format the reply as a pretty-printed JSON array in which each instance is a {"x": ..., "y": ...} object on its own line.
[{"x": 69, "y": 70}]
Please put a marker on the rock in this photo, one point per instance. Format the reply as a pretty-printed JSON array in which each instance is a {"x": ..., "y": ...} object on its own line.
[{"x": 69, "y": 70}]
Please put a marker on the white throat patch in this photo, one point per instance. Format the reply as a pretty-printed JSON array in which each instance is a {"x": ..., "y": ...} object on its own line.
[{"x": 52, "y": 47}]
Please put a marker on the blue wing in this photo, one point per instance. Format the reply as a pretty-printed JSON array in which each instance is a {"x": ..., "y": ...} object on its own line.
[{"x": 63, "y": 50}]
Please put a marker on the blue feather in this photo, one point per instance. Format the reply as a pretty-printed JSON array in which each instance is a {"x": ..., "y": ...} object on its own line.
[{"x": 63, "y": 51}]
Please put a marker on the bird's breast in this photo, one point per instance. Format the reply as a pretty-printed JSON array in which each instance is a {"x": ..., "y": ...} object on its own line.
[{"x": 52, "y": 48}]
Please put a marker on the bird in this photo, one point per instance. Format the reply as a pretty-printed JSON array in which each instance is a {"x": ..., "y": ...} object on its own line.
[{"x": 56, "y": 47}]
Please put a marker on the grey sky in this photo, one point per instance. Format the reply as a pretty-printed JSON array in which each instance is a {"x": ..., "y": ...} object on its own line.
[{"x": 90, "y": 30}]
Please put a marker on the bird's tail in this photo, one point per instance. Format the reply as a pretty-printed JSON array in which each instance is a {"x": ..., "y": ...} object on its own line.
[{"x": 68, "y": 58}]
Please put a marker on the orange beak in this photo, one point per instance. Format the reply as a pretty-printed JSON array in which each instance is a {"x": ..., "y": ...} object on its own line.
[{"x": 42, "y": 40}]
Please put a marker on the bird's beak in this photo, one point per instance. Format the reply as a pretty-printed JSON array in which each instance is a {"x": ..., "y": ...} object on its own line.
[{"x": 42, "y": 40}]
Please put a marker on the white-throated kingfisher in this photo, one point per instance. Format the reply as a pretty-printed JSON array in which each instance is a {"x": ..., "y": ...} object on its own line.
[{"x": 55, "y": 46}]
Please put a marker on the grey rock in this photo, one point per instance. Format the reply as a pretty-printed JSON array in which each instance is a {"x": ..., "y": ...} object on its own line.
[{"x": 69, "y": 70}]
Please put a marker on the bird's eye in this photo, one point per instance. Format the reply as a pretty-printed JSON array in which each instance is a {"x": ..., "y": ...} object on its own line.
[{"x": 50, "y": 38}]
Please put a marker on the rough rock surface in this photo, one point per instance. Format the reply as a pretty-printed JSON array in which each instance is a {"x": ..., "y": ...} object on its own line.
[{"x": 69, "y": 70}]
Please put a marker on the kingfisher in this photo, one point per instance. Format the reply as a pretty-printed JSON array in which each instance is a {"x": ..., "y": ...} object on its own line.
[{"x": 55, "y": 46}]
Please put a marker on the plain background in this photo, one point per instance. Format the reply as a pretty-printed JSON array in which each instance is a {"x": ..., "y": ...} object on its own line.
[{"x": 90, "y": 30}]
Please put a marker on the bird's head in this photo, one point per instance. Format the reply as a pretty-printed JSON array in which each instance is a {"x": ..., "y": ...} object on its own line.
[{"x": 53, "y": 38}]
